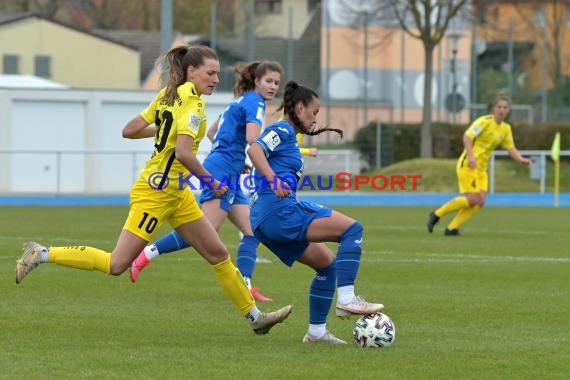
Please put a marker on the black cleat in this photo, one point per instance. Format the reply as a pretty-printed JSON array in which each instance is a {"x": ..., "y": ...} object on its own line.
[
  {"x": 432, "y": 221},
  {"x": 454, "y": 232}
]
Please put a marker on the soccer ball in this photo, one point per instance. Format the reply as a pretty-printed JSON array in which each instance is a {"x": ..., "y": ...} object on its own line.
[{"x": 374, "y": 331}]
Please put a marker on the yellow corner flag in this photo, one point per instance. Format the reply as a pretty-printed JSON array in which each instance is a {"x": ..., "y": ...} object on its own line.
[
  {"x": 555, "y": 150},
  {"x": 555, "y": 154}
]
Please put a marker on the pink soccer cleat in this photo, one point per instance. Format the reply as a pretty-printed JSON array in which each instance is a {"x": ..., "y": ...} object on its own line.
[
  {"x": 138, "y": 265},
  {"x": 256, "y": 294}
]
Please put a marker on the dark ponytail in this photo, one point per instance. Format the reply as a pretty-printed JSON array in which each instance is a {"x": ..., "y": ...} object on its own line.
[{"x": 295, "y": 93}]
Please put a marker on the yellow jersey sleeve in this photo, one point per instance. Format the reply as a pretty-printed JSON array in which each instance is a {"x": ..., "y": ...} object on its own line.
[
  {"x": 191, "y": 120},
  {"x": 149, "y": 113},
  {"x": 477, "y": 127}
]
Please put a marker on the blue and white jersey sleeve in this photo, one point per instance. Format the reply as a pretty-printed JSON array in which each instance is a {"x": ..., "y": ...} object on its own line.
[
  {"x": 228, "y": 147},
  {"x": 254, "y": 108}
]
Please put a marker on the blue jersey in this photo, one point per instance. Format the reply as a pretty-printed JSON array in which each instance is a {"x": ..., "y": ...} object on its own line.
[
  {"x": 228, "y": 147},
  {"x": 280, "y": 146}
]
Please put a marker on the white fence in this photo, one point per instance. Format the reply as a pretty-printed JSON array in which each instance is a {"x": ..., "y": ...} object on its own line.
[
  {"x": 537, "y": 170},
  {"x": 113, "y": 172},
  {"x": 331, "y": 162}
]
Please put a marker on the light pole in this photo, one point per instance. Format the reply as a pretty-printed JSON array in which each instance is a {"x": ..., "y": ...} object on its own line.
[
  {"x": 454, "y": 101},
  {"x": 365, "y": 52}
]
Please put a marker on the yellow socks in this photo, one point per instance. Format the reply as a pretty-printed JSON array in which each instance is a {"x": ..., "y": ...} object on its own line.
[
  {"x": 462, "y": 217},
  {"x": 81, "y": 257},
  {"x": 455, "y": 204},
  {"x": 233, "y": 284}
]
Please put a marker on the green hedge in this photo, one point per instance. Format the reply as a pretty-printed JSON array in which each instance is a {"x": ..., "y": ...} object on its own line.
[{"x": 402, "y": 141}]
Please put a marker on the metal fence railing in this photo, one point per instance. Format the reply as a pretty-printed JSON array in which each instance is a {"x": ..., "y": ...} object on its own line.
[
  {"x": 114, "y": 172},
  {"x": 537, "y": 170}
]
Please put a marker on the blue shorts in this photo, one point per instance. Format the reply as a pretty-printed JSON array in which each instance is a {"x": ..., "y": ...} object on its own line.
[
  {"x": 234, "y": 195},
  {"x": 285, "y": 233}
]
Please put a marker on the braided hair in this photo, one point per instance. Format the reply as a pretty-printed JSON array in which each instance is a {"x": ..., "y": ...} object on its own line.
[{"x": 295, "y": 93}]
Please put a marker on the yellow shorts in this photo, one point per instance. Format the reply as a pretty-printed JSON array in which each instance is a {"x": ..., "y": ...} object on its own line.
[
  {"x": 472, "y": 180},
  {"x": 150, "y": 208}
]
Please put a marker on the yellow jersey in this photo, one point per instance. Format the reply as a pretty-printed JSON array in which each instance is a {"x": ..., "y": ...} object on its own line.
[
  {"x": 304, "y": 151},
  {"x": 486, "y": 135},
  {"x": 186, "y": 117}
]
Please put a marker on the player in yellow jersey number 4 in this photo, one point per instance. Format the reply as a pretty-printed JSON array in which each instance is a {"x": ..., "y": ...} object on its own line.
[{"x": 483, "y": 136}]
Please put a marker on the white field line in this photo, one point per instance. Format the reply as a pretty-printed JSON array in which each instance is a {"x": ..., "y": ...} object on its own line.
[
  {"x": 472, "y": 230},
  {"x": 368, "y": 256},
  {"x": 395, "y": 257},
  {"x": 428, "y": 257}
]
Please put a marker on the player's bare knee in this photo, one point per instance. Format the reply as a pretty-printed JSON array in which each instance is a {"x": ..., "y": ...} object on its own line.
[
  {"x": 475, "y": 200},
  {"x": 216, "y": 256},
  {"x": 117, "y": 269}
]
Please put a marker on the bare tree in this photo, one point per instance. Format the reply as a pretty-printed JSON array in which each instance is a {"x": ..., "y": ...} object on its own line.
[
  {"x": 104, "y": 14},
  {"x": 16, "y": 6},
  {"x": 361, "y": 12},
  {"x": 550, "y": 28},
  {"x": 47, "y": 8},
  {"x": 427, "y": 21}
]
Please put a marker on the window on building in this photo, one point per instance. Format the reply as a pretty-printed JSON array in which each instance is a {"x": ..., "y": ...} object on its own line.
[
  {"x": 540, "y": 17},
  {"x": 11, "y": 64},
  {"x": 43, "y": 66},
  {"x": 313, "y": 4},
  {"x": 264, "y": 7}
]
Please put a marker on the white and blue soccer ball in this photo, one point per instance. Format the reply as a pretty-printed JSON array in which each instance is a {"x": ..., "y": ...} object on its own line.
[{"x": 374, "y": 331}]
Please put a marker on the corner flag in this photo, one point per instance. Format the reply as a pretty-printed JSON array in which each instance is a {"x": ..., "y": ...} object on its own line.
[
  {"x": 555, "y": 150},
  {"x": 555, "y": 154}
]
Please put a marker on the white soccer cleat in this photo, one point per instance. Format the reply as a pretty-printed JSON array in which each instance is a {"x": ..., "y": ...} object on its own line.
[
  {"x": 328, "y": 338},
  {"x": 262, "y": 260},
  {"x": 29, "y": 260},
  {"x": 357, "y": 306},
  {"x": 269, "y": 319}
]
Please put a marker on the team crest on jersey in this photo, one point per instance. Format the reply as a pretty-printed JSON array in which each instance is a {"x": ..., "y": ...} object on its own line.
[
  {"x": 194, "y": 122},
  {"x": 272, "y": 140}
]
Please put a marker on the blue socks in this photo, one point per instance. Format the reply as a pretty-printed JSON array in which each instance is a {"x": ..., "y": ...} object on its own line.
[
  {"x": 247, "y": 254},
  {"x": 348, "y": 256},
  {"x": 170, "y": 243},
  {"x": 321, "y": 294}
]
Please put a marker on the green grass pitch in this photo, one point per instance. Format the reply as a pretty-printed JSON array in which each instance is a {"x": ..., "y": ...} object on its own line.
[{"x": 491, "y": 304}]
